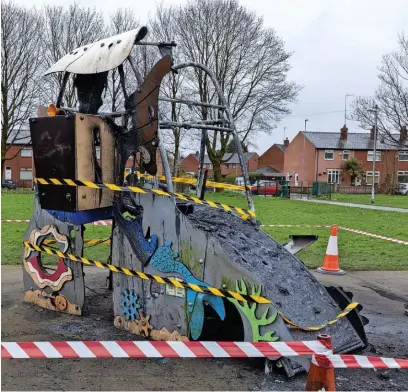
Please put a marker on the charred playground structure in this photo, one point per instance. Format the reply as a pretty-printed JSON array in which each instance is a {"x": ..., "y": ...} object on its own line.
[{"x": 180, "y": 267}]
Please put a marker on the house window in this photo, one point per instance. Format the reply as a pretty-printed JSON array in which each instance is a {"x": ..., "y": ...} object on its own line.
[
  {"x": 26, "y": 152},
  {"x": 402, "y": 176},
  {"x": 234, "y": 165},
  {"x": 328, "y": 155},
  {"x": 370, "y": 155},
  {"x": 369, "y": 178},
  {"x": 346, "y": 155},
  {"x": 98, "y": 152},
  {"x": 334, "y": 176},
  {"x": 26, "y": 174},
  {"x": 208, "y": 165},
  {"x": 403, "y": 155},
  {"x": 226, "y": 165}
]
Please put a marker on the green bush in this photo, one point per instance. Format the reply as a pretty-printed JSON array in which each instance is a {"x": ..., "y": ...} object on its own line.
[{"x": 230, "y": 178}]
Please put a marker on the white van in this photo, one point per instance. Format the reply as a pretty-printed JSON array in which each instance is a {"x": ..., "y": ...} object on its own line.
[{"x": 240, "y": 181}]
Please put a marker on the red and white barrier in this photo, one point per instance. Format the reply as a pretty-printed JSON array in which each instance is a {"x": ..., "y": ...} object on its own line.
[
  {"x": 360, "y": 362},
  {"x": 381, "y": 237},
  {"x": 158, "y": 349},
  {"x": 192, "y": 349},
  {"x": 96, "y": 223}
]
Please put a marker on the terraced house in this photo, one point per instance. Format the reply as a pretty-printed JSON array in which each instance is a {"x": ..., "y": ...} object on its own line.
[{"x": 319, "y": 156}]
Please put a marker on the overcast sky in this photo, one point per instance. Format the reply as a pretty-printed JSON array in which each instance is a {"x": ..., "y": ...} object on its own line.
[{"x": 337, "y": 47}]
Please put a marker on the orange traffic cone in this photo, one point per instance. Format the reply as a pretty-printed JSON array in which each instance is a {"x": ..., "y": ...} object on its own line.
[
  {"x": 331, "y": 259},
  {"x": 321, "y": 371}
]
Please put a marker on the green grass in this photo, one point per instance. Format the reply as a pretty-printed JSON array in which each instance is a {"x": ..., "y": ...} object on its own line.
[
  {"x": 357, "y": 252},
  {"x": 16, "y": 205},
  {"x": 398, "y": 201}
]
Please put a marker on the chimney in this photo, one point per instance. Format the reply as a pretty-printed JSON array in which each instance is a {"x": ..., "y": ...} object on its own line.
[
  {"x": 343, "y": 132},
  {"x": 372, "y": 133},
  {"x": 286, "y": 142},
  {"x": 403, "y": 134}
]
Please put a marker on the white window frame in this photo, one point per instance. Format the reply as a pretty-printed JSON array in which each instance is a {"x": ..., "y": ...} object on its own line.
[
  {"x": 328, "y": 152},
  {"x": 377, "y": 158},
  {"x": 348, "y": 155},
  {"x": 403, "y": 153},
  {"x": 334, "y": 176},
  {"x": 27, "y": 171},
  {"x": 402, "y": 173},
  {"x": 226, "y": 165},
  {"x": 370, "y": 174},
  {"x": 28, "y": 152},
  {"x": 234, "y": 165}
]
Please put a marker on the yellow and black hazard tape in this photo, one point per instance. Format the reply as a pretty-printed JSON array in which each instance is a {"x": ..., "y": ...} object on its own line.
[
  {"x": 244, "y": 214},
  {"x": 182, "y": 284},
  {"x": 345, "y": 312},
  {"x": 157, "y": 278},
  {"x": 192, "y": 181},
  {"x": 87, "y": 242}
]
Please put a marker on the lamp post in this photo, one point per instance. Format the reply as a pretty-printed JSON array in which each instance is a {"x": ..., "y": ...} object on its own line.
[
  {"x": 303, "y": 155},
  {"x": 375, "y": 111},
  {"x": 345, "y": 106}
]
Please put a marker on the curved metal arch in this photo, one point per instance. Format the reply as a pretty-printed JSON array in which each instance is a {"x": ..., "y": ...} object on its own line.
[{"x": 231, "y": 121}]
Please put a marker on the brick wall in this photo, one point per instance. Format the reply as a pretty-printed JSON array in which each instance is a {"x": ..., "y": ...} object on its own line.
[
  {"x": 274, "y": 157},
  {"x": 293, "y": 162}
]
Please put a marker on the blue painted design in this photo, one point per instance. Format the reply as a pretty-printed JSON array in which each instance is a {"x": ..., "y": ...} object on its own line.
[
  {"x": 168, "y": 261},
  {"x": 143, "y": 247},
  {"x": 82, "y": 217},
  {"x": 129, "y": 302}
]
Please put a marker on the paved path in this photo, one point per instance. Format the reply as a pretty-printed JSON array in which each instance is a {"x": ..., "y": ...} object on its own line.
[{"x": 366, "y": 206}]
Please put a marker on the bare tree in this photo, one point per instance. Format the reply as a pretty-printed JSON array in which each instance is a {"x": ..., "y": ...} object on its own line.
[
  {"x": 164, "y": 29},
  {"x": 391, "y": 96},
  {"x": 249, "y": 61},
  {"x": 20, "y": 71},
  {"x": 122, "y": 20},
  {"x": 64, "y": 30}
]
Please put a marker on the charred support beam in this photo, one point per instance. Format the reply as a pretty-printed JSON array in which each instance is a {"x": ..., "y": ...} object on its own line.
[
  {"x": 146, "y": 43},
  {"x": 62, "y": 89},
  {"x": 200, "y": 177},
  {"x": 186, "y": 125},
  {"x": 232, "y": 125},
  {"x": 192, "y": 103}
]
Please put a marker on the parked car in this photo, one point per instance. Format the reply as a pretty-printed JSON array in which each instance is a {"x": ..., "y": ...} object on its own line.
[
  {"x": 403, "y": 188},
  {"x": 9, "y": 184},
  {"x": 265, "y": 188}
]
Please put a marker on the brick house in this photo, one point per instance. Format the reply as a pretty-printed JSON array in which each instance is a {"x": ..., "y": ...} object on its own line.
[
  {"x": 231, "y": 165},
  {"x": 19, "y": 162},
  {"x": 319, "y": 156},
  {"x": 274, "y": 156}
]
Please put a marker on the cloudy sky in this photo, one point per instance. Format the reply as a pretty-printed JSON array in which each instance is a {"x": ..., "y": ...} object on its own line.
[{"x": 337, "y": 48}]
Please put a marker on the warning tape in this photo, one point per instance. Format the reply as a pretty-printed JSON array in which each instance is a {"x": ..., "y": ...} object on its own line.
[
  {"x": 359, "y": 362},
  {"x": 96, "y": 223},
  {"x": 158, "y": 349},
  {"x": 194, "y": 349},
  {"x": 381, "y": 237},
  {"x": 87, "y": 242},
  {"x": 193, "y": 181},
  {"x": 245, "y": 214},
  {"x": 158, "y": 279},
  {"x": 183, "y": 284}
]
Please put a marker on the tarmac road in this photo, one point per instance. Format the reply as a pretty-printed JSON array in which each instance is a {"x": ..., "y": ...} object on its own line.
[{"x": 383, "y": 305}]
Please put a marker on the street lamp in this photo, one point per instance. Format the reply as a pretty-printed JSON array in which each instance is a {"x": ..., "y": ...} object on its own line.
[
  {"x": 345, "y": 106},
  {"x": 303, "y": 155},
  {"x": 375, "y": 111}
]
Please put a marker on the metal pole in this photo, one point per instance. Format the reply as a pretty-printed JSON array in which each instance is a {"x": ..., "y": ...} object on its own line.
[
  {"x": 303, "y": 154},
  {"x": 375, "y": 155}
]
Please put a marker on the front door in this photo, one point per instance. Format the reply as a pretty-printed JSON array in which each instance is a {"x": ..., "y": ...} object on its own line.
[
  {"x": 357, "y": 181},
  {"x": 7, "y": 174},
  {"x": 296, "y": 179}
]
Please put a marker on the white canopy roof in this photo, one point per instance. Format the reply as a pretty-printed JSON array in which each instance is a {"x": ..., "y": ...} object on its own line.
[{"x": 100, "y": 56}]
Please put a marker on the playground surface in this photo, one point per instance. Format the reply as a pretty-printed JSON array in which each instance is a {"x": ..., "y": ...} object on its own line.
[{"x": 24, "y": 322}]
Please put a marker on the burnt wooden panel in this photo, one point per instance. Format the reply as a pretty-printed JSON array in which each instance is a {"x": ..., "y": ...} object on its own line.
[
  {"x": 85, "y": 164},
  {"x": 53, "y": 141}
]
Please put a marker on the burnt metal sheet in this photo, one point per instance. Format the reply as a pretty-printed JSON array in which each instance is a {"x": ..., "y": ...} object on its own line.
[
  {"x": 100, "y": 56},
  {"x": 53, "y": 141}
]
